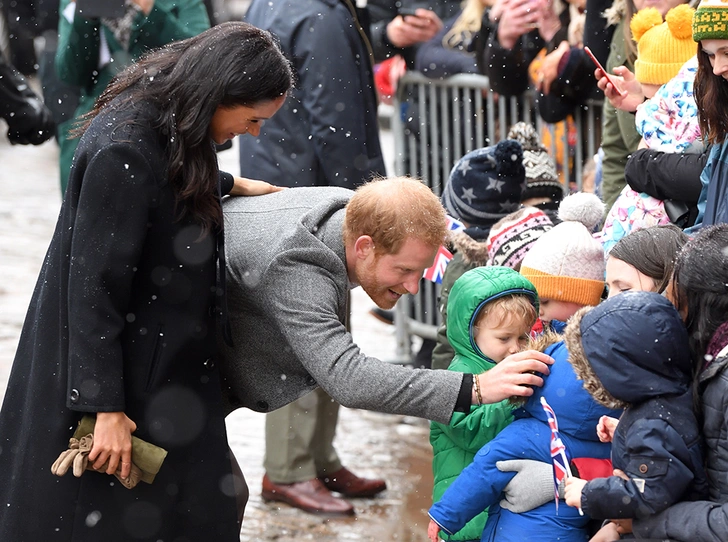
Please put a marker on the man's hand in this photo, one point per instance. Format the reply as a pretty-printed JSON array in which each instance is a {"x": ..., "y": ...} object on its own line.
[
  {"x": 251, "y": 187},
  {"x": 572, "y": 491},
  {"x": 513, "y": 376},
  {"x": 606, "y": 427},
  {"x": 631, "y": 96},
  {"x": 112, "y": 443},
  {"x": 407, "y": 30}
]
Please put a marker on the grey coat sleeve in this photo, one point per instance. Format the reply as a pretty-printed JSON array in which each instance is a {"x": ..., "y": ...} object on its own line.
[
  {"x": 310, "y": 324},
  {"x": 699, "y": 521}
]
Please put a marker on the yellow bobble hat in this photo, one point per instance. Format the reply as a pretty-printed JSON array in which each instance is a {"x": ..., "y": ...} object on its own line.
[
  {"x": 662, "y": 47},
  {"x": 566, "y": 263},
  {"x": 710, "y": 21}
]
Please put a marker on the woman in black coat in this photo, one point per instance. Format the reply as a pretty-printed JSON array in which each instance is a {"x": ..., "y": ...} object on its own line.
[{"x": 123, "y": 319}]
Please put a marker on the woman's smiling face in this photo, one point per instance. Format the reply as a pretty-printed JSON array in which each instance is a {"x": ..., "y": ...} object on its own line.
[{"x": 228, "y": 122}]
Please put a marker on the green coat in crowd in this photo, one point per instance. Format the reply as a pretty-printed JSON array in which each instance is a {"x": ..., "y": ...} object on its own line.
[{"x": 79, "y": 59}]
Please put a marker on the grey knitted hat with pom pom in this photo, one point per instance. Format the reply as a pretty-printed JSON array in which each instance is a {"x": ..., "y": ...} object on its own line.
[{"x": 486, "y": 184}]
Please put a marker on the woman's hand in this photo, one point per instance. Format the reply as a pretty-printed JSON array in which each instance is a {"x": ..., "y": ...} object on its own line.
[
  {"x": 572, "y": 491},
  {"x": 433, "y": 529},
  {"x": 251, "y": 187},
  {"x": 549, "y": 70},
  {"x": 631, "y": 95},
  {"x": 112, "y": 443},
  {"x": 606, "y": 427},
  {"x": 145, "y": 5}
]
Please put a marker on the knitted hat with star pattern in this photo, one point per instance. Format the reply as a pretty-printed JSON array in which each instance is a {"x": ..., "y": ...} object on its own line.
[{"x": 486, "y": 184}]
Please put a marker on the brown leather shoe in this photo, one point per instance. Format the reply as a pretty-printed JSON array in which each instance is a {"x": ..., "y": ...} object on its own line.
[
  {"x": 310, "y": 496},
  {"x": 349, "y": 484}
]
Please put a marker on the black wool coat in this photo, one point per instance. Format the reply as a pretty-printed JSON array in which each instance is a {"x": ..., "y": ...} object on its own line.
[{"x": 121, "y": 319}]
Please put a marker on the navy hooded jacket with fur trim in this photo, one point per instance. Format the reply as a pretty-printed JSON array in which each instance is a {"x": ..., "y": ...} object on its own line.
[{"x": 632, "y": 350}]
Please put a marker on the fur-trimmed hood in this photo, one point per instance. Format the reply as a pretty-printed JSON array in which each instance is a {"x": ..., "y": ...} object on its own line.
[
  {"x": 473, "y": 251},
  {"x": 630, "y": 348},
  {"x": 584, "y": 371},
  {"x": 577, "y": 412}
]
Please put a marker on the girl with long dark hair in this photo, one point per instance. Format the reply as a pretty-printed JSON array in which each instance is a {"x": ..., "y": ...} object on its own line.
[{"x": 124, "y": 317}]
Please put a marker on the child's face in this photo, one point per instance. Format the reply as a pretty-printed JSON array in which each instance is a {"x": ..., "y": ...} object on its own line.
[
  {"x": 499, "y": 337},
  {"x": 550, "y": 309}
]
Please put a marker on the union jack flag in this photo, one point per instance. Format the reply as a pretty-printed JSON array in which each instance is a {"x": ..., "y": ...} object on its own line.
[
  {"x": 559, "y": 453},
  {"x": 435, "y": 273},
  {"x": 454, "y": 224}
]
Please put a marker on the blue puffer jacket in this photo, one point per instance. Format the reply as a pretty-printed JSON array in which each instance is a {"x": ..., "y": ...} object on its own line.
[
  {"x": 481, "y": 484},
  {"x": 634, "y": 352}
]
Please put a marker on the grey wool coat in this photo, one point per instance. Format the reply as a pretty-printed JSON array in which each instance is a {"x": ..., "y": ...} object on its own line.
[{"x": 287, "y": 294}]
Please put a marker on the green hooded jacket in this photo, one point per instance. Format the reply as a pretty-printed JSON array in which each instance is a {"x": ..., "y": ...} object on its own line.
[{"x": 454, "y": 445}]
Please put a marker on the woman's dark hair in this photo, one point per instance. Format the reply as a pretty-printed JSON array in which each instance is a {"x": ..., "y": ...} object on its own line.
[
  {"x": 701, "y": 287},
  {"x": 231, "y": 64},
  {"x": 711, "y": 96},
  {"x": 652, "y": 251}
]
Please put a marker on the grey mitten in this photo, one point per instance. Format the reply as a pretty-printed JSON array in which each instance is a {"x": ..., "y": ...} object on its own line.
[{"x": 532, "y": 486}]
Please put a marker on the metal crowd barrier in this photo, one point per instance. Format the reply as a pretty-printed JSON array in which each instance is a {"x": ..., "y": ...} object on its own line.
[{"x": 435, "y": 122}]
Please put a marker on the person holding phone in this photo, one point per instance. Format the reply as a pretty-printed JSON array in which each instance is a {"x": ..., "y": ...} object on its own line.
[
  {"x": 92, "y": 50},
  {"x": 398, "y": 28},
  {"x": 619, "y": 134}
]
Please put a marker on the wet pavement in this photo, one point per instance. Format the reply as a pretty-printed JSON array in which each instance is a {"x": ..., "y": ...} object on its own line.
[{"x": 371, "y": 444}]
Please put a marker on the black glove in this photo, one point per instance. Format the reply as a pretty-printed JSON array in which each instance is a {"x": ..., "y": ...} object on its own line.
[{"x": 29, "y": 121}]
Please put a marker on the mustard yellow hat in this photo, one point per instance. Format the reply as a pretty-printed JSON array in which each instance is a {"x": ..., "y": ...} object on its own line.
[{"x": 662, "y": 47}]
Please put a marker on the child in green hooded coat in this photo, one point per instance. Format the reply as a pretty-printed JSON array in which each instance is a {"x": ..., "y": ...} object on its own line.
[{"x": 490, "y": 314}]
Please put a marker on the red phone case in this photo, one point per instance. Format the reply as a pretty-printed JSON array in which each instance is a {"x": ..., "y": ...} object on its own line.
[{"x": 606, "y": 74}]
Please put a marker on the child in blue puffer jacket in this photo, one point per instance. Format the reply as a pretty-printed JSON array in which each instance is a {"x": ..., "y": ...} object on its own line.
[{"x": 481, "y": 484}]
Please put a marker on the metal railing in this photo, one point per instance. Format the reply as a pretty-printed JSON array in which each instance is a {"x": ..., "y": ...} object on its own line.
[{"x": 435, "y": 122}]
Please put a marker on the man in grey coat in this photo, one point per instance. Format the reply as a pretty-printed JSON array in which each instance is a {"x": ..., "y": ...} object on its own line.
[{"x": 292, "y": 257}]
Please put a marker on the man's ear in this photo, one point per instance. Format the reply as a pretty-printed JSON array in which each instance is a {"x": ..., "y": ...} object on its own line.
[{"x": 363, "y": 246}]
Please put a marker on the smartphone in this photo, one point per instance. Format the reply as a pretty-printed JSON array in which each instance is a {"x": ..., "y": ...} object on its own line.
[
  {"x": 404, "y": 12},
  {"x": 97, "y": 9},
  {"x": 606, "y": 74}
]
